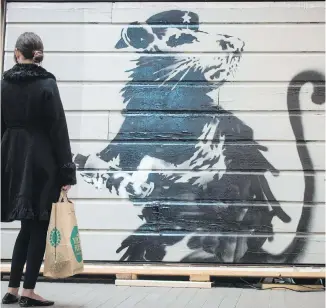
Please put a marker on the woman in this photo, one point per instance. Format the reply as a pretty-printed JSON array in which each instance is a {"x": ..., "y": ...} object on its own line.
[{"x": 36, "y": 162}]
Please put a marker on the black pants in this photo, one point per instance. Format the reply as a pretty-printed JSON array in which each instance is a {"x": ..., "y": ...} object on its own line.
[{"x": 29, "y": 248}]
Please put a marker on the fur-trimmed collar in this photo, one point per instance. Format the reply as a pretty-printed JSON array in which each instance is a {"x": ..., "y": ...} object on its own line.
[{"x": 26, "y": 72}]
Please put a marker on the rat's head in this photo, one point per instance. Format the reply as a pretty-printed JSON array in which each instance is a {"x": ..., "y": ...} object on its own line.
[{"x": 177, "y": 32}]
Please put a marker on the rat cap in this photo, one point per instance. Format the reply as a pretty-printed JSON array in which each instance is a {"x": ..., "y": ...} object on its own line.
[
  {"x": 139, "y": 36},
  {"x": 173, "y": 18}
]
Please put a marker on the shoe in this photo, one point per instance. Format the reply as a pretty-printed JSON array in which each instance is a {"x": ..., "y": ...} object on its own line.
[
  {"x": 30, "y": 302},
  {"x": 10, "y": 299}
]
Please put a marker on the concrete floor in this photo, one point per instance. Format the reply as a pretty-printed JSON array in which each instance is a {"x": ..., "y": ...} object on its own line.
[{"x": 73, "y": 295}]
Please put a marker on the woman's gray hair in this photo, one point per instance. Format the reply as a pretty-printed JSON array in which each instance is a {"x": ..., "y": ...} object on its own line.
[{"x": 31, "y": 47}]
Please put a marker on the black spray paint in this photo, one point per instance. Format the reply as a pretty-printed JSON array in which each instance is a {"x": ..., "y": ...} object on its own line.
[{"x": 318, "y": 98}]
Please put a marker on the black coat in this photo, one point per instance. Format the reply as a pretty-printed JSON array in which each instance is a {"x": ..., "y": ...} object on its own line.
[{"x": 36, "y": 159}]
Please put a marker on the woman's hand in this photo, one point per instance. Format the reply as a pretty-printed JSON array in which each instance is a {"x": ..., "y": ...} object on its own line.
[{"x": 66, "y": 188}]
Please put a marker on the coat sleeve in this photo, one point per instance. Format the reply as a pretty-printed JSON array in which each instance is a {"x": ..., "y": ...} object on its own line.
[{"x": 59, "y": 136}]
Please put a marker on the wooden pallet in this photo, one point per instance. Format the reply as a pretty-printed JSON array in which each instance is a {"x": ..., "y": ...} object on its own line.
[
  {"x": 290, "y": 284},
  {"x": 293, "y": 287},
  {"x": 199, "y": 275},
  {"x": 317, "y": 272},
  {"x": 195, "y": 281}
]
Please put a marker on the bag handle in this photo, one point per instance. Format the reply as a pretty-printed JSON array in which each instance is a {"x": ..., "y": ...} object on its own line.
[{"x": 63, "y": 196}]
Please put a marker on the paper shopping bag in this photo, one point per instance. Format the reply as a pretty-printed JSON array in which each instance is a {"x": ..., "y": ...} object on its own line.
[{"x": 63, "y": 253}]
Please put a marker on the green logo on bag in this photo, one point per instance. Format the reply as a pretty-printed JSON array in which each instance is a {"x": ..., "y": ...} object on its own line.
[
  {"x": 75, "y": 244},
  {"x": 55, "y": 237}
]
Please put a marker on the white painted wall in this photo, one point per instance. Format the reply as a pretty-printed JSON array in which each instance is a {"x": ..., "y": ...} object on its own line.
[{"x": 281, "y": 40}]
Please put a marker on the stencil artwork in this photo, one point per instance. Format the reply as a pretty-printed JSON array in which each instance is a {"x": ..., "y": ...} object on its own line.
[{"x": 198, "y": 187}]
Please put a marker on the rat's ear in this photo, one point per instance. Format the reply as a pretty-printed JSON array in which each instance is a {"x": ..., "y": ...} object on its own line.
[
  {"x": 125, "y": 41},
  {"x": 121, "y": 44},
  {"x": 137, "y": 36}
]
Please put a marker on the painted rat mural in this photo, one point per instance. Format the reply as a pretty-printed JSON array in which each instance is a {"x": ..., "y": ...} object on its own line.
[{"x": 183, "y": 166}]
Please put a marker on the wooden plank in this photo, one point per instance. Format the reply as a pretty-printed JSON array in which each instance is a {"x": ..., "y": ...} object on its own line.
[
  {"x": 175, "y": 126},
  {"x": 191, "y": 218},
  {"x": 186, "y": 270},
  {"x": 261, "y": 96},
  {"x": 88, "y": 125},
  {"x": 269, "y": 96},
  {"x": 199, "y": 278},
  {"x": 83, "y": 12},
  {"x": 293, "y": 287},
  {"x": 121, "y": 215},
  {"x": 163, "y": 283},
  {"x": 181, "y": 126},
  {"x": 281, "y": 38},
  {"x": 231, "y": 12},
  {"x": 184, "y": 247},
  {"x": 115, "y": 67},
  {"x": 106, "y": 214},
  {"x": 126, "y": 276},
  {"x": 279, "y": 152},
  {"x": 93, "y": 185}
]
